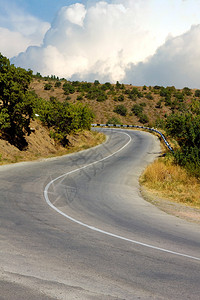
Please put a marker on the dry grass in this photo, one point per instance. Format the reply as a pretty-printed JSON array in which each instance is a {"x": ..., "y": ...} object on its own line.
[
  {"x": 104, "y": 110},
  {"x": 172, "y": 182}
]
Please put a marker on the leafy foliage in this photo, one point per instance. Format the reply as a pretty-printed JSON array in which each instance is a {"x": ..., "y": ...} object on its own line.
[
  {"x": 143, "y": 119},
  {"x": 57, "y": 84},
  {"x": 185, "y": 128},
  {"x": 197, "y": 93},
  {"x": 47, "y": 87},
  {"x": 134, "y": 93},
  {"x": 16, "y": 103},
  {"x": 121, "y": 110},
  {"x": 149, "y": 96},
  {"x": 68, "y": 88},
  {"x": 64, "y": 118},
  {"x": 137, "y": 109}
]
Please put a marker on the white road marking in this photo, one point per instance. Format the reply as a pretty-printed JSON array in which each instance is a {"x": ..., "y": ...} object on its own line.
[{"x": 97, "y": 229}]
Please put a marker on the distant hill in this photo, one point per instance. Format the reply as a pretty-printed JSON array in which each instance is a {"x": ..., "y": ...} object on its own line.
[{"x": 119, "y": 103}]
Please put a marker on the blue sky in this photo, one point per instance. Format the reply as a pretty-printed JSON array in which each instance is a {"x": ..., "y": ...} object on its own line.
[
  {"x": 43, "y": 9},
  {"x": 133, "y": 41}
]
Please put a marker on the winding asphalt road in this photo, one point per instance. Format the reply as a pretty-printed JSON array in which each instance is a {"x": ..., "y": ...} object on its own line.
[{"x": 76, "y": 227}]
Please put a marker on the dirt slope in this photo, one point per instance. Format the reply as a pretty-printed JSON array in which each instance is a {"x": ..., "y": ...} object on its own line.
[{"x": 41, "y": 145}]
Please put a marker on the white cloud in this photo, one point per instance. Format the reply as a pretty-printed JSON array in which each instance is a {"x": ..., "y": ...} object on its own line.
[
  {"x": 100, "y": 40},
  {"x": 19, "y": 30},
  {"x": 8, "y": 39},
  {"x": 177, "y": 63}
]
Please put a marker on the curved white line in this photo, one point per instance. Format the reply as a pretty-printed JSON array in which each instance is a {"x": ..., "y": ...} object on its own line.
[{"x": 97, "y": 229}]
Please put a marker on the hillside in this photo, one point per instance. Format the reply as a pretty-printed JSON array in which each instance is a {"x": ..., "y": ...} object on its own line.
[
  {"x": 41, "y": 145},
  {"x": 144, "y": 105},
  {"x": 61, "y": 127}
]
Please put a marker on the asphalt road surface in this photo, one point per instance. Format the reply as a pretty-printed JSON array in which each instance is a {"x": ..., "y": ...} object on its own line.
[{"x": 76, "y": 227}]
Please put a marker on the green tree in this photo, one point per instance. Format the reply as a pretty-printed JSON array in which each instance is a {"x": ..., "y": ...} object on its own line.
[
  {"x": 96, "y": 82},
  {"x": 137, "y": 109},
  {"x": 197, "y": 93},
  {"x": 185, "y": 129},
  {"x": 187, "y": 91},
  {"x": 64, "y": 118},
  {"x": 16, "y": 103}
]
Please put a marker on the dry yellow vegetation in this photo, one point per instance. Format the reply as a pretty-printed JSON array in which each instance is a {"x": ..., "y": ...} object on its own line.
[{"x": 165, "y": 179}]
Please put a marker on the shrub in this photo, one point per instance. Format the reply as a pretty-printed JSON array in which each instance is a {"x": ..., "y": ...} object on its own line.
[
  {"x": 47, "y": 86},
  {"x": 187, "y": 91},
  {"x": 101, "y": 97},
  {"x": 121, "y": 110},
  {"x": 137, "y": 109},
  {"x": 118, "y": 85},
  {"x": 143, "y": 118},
  {"x": 168, "y": 100},
  {"x": 149, "y": 96},
  {"x": 68, "y": 88},
  {"x": 121, "y": 98},
  {"x": 57, "y": 84},
  {"x": 179, "y": 96},
  {"x": 96, "y": 82},
  {"x": 197, "y": 93},
  {"x": 114, "y": 121},
  {"x": 79, "y": 97},
  {"x": 159, "y": 104},
  {"x": 106, "y": 86}
]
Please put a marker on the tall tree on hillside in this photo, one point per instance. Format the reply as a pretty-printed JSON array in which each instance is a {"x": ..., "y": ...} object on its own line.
[
  {"x": 16, "y": 103},
  {"x": 185, "y": 128}
]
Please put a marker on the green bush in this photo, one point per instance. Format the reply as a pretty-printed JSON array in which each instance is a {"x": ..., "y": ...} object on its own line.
[
  {"x": 79, "y": 97},
  {"x": 64, "y": 118},
  {"x": 137, "y": 109},
  {"x": 47, "y": 86},
  {"x": 149, "y": 96},
  {"x": 57, "y": 84},
  {"x": 143, "y": 119},
  {"x": 68, "y": 88},
  {"x": 187, "y": 91},
  {"x": 185, "y": 129},
  {"x": 120, "y": 98},
  {"x": 197, "y": 93},
  {"x": 179, "y": 96},
  {"x": 134, "y": 93},
  {"x": 121, "y": 110}
]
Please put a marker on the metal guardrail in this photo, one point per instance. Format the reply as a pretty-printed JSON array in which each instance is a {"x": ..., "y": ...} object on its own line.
[{"x": 136, "y": 126}]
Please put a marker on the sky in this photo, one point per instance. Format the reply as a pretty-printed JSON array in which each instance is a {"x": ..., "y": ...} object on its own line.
[{"x": 138, "y": 42}]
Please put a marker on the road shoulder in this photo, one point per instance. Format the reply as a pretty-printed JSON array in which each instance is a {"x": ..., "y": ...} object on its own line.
[{"x": 182, "y": 211}]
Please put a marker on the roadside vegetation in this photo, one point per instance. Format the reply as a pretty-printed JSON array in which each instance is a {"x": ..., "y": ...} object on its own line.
[
  {"x": 165, "y": 179},
  {"x": 65, "y": 109},
  {"x": 21, "y": 107}
]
